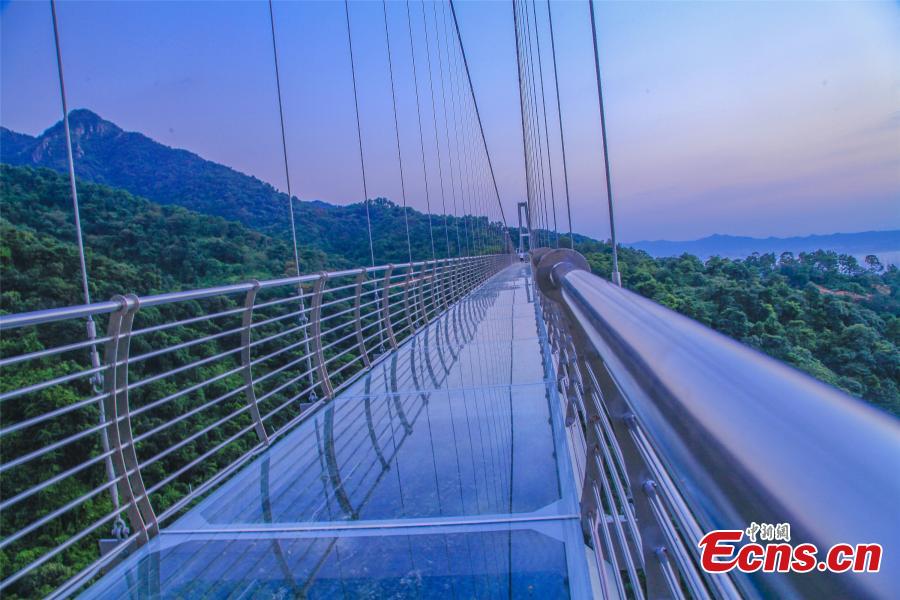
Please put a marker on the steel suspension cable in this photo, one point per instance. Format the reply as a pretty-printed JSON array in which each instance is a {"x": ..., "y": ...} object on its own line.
[
  {"x": 537, "y": 33},
  {"x": 304, "y": 320},
  {"x": 528, "y": 193},
  {"x": 437, "y": 146},
  {"x": 461, "y": 214},
  {"x": 362, "y": 159},
  {"x": 462, "y": 50},
  {"x": 562, "y": 139},
  {"x": 528, "y": 131},
  {"x": 412, "y": 54},
  {"x": 468, "y": 157},
  {"x": 120, "y": 530},
  {"x": 616, "y": 276},
  {"x": 536, "y": 132},
  {"x": 476, "y": 201},
  {"x": 387, "y": 39},
  {"x": 287, "y": 173},
  {"x": 437, "y": 44}
]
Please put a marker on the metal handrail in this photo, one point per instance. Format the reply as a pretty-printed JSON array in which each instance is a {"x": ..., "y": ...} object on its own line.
[
  {"x": 244, "y": 366},
  {"x": 716, "y": 435}
]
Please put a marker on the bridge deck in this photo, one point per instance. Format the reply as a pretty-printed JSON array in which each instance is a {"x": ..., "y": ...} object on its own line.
[{"x": 441, "y": 472}]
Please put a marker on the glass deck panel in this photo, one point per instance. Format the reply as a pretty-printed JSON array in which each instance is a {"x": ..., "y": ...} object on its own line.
[{"x": 441, "y": 472}]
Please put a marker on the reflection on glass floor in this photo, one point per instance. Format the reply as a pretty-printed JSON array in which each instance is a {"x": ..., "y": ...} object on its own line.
[{"x": 437, "y": 474}]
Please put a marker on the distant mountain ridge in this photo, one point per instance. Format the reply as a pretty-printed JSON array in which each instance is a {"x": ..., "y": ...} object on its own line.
[
  {"x": 731, "y": 246},
  {"x": 107, "y": 154}
]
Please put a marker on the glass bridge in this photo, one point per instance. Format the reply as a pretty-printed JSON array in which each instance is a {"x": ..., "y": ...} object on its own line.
[{"x": 443, "y": 471}]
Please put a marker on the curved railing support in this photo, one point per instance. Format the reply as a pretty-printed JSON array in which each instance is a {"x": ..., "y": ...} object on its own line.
[
  {"x": 246, "y": 367},
  {"x": 121, "y": 439},
  {"x": 318, "y": 351}
]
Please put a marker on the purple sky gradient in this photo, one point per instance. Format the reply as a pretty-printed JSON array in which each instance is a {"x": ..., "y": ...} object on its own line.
[{"x": 742, "y": 118}]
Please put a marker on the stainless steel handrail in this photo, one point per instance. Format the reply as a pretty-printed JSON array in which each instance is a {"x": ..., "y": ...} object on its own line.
[
  {"x": 728, "y": 436},
  {"x": 242, "y": 363}
]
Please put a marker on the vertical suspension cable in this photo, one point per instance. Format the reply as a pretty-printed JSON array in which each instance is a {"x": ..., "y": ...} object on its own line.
[
  {"x": 616, "y": 276},
  {"x": 465, "y": 155},
  {"x": 387, "y": 39},
  {"x": 437, "y": 146},
  {"x": 362, "y": 160},
  {"x": 304, "y": 320},
  {"x": 362, "y": 166},
  {"x": 528, "y": 194},
  {"x": 562, "y": 139},
  {"x": 460, "y": 217},
  {"x": 437, "y": 44},
  {"x": 287, "y": 173},
  {"x": 527, "y": 82},
  {"x": 536, "y": 138},
  {"x": 412, "y": 54},
  {"x": 120, "y": 529},
  {"x": 537, "y": 37},
  {"x": 69, "y": 158},
  {"x": 487, "y": 153}
]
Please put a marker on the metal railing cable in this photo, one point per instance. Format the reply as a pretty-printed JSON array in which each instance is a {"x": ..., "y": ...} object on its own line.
[
  {"x": 683, "y": 431},
  {"x": 197, "y": 383}
]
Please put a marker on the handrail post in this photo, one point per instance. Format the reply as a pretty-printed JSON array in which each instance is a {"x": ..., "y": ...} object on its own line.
[
  {"x": 247, "y": 369},
  {"x": 407, "y": 283},
  {"x": 357, "y": 318},
  {"x": 319, "y": 353},
  {"x": 386, "y": 306},
  {"x": 422, "y": 313},
  {"x": 125, "y": 462}
]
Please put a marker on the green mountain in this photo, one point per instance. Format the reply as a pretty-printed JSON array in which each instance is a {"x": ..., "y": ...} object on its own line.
[
  {"x": 132, "y": 244},
  {"x": 104, "y": 153}
]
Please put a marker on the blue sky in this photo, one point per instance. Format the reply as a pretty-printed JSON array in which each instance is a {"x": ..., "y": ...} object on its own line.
[{"x": 750, "y": 118}]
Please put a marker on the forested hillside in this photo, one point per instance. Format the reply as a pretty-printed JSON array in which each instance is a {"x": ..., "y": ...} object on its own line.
[
  {"x": 132, "y": 245},
  {"x": 819, "y": 311},
  {"x": 104, "y": 153}
]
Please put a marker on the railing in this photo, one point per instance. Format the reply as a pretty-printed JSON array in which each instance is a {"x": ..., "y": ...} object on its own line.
[
  {"x": 683, "y": 431},
  {"x": 192, "y": 385}
]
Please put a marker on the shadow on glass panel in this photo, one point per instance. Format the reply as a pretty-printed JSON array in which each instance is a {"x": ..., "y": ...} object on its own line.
[{"x": 410, "y": 443}]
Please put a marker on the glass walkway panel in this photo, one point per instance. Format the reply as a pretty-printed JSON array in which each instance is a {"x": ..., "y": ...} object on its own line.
[{"x": 442, "y": 472}]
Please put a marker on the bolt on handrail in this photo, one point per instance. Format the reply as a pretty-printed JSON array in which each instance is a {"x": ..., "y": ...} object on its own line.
[
  {"x": 195, "y": 384},
  {"x": 687, "y": 431}
]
